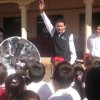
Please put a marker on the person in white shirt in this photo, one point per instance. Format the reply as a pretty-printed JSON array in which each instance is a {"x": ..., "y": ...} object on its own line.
[
  {"x": 63, "y": 77},
  {"x": 93, "y": 43},
  {"x": 43, "y": 89},
  {"x": 63, "y": 45}
]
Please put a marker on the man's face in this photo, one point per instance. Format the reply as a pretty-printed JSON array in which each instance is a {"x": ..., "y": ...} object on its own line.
[
  {"x": 98, "y": 32},
  {"x": 60, "y": 27}
]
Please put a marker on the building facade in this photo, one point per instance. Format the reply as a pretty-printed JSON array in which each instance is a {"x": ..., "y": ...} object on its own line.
[{"x": 22, "y": 18}]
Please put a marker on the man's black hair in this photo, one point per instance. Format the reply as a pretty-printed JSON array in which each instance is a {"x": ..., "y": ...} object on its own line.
[
  {"x": 92, "y": 84},
  {"x": 36, "y": 72},
  {"x": 63, "y": 74},
  {"x": 3, "y": 73},
  {"x": 60, "y": 21}
]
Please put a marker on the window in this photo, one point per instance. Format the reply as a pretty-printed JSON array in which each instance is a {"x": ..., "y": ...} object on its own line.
[
  {"x": 12, "y": 27},
  {"x": 42, "y": 31}
]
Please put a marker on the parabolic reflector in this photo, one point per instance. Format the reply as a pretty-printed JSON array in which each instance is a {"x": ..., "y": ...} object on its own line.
[{"x": 17, "y": 48}]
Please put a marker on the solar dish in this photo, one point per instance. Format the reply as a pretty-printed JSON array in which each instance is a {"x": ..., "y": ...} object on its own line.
[{"x": 17, "y": 48}]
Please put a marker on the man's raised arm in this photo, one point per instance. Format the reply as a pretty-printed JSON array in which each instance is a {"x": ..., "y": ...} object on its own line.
[{"x": 47, "y": 22}]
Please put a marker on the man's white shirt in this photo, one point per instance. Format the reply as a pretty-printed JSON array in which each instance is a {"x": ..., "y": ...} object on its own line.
[
  {"x": 93, "y": 44},
  {"x": 51, "y": 30}
]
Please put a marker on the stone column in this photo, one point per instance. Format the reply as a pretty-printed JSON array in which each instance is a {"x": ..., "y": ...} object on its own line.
[
  {"x": 88, "y": 21},
  {"x": 23, "y": 21}
]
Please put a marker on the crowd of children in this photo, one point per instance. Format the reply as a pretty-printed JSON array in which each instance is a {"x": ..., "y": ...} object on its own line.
[{"x": 68, "y": 82}]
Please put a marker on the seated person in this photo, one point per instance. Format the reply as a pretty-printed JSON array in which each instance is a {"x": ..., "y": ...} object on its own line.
[
  {"x": 3, "y": 76},
  {"x": 63, "y": 77},
  {"x": 37, "y": 73}
]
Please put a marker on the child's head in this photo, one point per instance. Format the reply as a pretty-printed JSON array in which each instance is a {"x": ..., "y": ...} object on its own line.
[
  {"x": 14, "y": 84},
  {"x": 22, "y": 67},
  {"x": 89, "y": 61},
  {"x": 79, "y": 76},
  {"x": 63, "y": 74},
  {"x": 96, "y": 63},
  {"x": 77, "y": 65},
  {"x": 79, "y": 73},
  {"x": 56, "y": 61},
  {"x": 3, "y": 73},
  {"x": 92, "y": 84},
  {"x": 27, "y": 95},
  {"x": 36, "y": 72}
]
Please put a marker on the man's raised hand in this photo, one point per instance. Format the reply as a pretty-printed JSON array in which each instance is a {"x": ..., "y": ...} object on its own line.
[{"x": 41, "y": 6}]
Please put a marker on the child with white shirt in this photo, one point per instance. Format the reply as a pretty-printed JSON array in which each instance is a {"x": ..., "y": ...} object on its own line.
[
  {"x": 27, "y": 95},
  {"x": 37, "y": 73},
  {"x": 22, "y": 68},
  {"x": 14, "y": 84},
  {"x": 79, "y": 77},
  {"x": 63, "y": 77},
  {"x": 89, "y": 62}
]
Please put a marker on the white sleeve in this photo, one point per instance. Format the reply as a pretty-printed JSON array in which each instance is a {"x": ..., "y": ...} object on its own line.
[
  {"x": 72, "y": 49},
  {"x": 48, "y": 24}
]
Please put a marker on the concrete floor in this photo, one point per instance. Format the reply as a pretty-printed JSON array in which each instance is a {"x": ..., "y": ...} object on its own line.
[{"x": 47, "y": 75}]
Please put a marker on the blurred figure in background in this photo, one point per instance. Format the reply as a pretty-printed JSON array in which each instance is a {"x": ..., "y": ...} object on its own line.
[
  {"x": 79, "y": 77},
  {"x": 1, "y": 36}
]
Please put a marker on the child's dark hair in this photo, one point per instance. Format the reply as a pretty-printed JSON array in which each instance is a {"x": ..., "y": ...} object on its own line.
[
  {"x": 3, "y": 73},
  {"x": 96, "y": 63},
  {"x": 92, "y": 84},
  {"x": 14, "y": 84},
  {"x": 61, "y": 20},
  {"x": 79, "y": 75},
  {"x": 27, "y": 95},
  {"x": 90, "y": 61},
  {"x": 77, "y": 65},
  {"x": 36, "y": 72},
  {"x": 63, "y": 74},
  {"x": 21, "y": 67}
]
